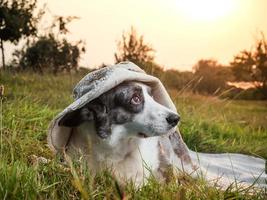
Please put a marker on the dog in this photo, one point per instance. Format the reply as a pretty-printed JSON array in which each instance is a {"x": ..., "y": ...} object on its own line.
[
  {"x": 124, "y": 120},
  {"x": 127, "y": 131},
  {"x": 122, "y": 130}
]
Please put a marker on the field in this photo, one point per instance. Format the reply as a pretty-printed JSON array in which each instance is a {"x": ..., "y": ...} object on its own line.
[{"x": 209, "y": 124}]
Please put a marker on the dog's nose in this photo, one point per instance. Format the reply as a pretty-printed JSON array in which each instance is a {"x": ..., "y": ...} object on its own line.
[{"x": 173, "y": 119}]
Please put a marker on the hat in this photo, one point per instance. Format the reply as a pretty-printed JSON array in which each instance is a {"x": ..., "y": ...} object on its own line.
[{"x": 97, "y": 83}]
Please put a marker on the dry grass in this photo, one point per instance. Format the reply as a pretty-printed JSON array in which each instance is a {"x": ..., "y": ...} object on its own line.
[{"x": 30, "y": 102}]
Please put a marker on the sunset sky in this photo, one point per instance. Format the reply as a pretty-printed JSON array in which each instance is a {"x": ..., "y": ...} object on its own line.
[{"x": 181, "y": 31}]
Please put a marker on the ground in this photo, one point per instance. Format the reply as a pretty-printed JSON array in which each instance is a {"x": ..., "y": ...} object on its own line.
[{"x": 209, "y": 124}]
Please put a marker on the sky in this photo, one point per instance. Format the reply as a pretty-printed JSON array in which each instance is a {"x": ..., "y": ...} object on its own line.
[{"x": 181, "y": 31}]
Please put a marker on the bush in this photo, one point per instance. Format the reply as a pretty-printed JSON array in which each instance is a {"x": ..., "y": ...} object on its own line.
[
  {"x": 211, "y": 77},
  {"x": 49, "y": 53},
  {"x": 249, "y": 94}
]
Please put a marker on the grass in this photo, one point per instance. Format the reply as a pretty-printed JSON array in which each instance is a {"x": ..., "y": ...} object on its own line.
[{"x": 31, "y": 101}]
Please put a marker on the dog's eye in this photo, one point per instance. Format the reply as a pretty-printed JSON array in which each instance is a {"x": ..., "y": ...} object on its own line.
[{"x": 135, "y": 100}]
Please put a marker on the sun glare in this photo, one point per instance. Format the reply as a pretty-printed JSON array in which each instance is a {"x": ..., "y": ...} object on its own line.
[{"x": 205, "y": 10}]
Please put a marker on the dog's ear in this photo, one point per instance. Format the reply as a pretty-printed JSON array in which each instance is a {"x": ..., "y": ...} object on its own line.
[
  {"x": 96, "y": 110},
  {"x": 76, "y": 117},
  {"x": 101, "y": 117}
]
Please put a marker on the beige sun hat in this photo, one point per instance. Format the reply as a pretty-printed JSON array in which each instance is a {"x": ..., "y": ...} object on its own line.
[{"x": 98, "y": 82}]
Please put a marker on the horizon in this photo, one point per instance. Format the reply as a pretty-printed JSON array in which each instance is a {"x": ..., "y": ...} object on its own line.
[{"x": 180, "y": 33}]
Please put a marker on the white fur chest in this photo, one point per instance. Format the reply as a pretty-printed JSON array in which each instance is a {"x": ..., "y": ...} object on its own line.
[{"x": 129, "y": 158}]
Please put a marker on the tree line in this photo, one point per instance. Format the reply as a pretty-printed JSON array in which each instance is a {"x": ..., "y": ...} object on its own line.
[
  {"x": 208, "y": 75},
  {"x": 50, "y": 51}
]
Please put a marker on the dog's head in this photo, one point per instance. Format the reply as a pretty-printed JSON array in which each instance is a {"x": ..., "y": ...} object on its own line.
[{"x": 130, "y": 105}]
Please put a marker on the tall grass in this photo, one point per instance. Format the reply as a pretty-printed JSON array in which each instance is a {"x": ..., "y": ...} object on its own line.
[{"x": 31, "y": 101}]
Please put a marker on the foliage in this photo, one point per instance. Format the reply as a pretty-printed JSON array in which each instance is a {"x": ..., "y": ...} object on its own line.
[
  {"x": 62, "y": 23},
  {"x": 17, "y": 20},
  {"x": 49, "y": 52},
  {"x": 243, "y": 65},
  {"x": 208, "y": 124},
  {"x": 210, "y": 76},
  {"x": 171, "y": 78},
  {"x": 178, "y": 80},
  {"x": 133, "y": 48},
  {"x": 248, "y": 94},
  {"x": 153, "y": 69},
  {"x": 252, "y": 65}
]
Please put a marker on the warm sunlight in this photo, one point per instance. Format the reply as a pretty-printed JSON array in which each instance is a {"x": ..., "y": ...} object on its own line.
[
  {"x": 181, "y": 31},
  {"x": 205, "y": 10},
  {"x": 133, "y": 99}
]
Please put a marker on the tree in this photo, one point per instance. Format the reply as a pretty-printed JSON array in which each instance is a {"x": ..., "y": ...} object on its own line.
[
  {"x": 51, "y": 52},
  {"x": 16, "y": 21},
  {"x": 177, "y": 80},
  {"x": 243, "y": 64},
  {"x": 252, "y": 65},
  {"x": 210, "y": 76},
  {"x": 133, "y": 48}
]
